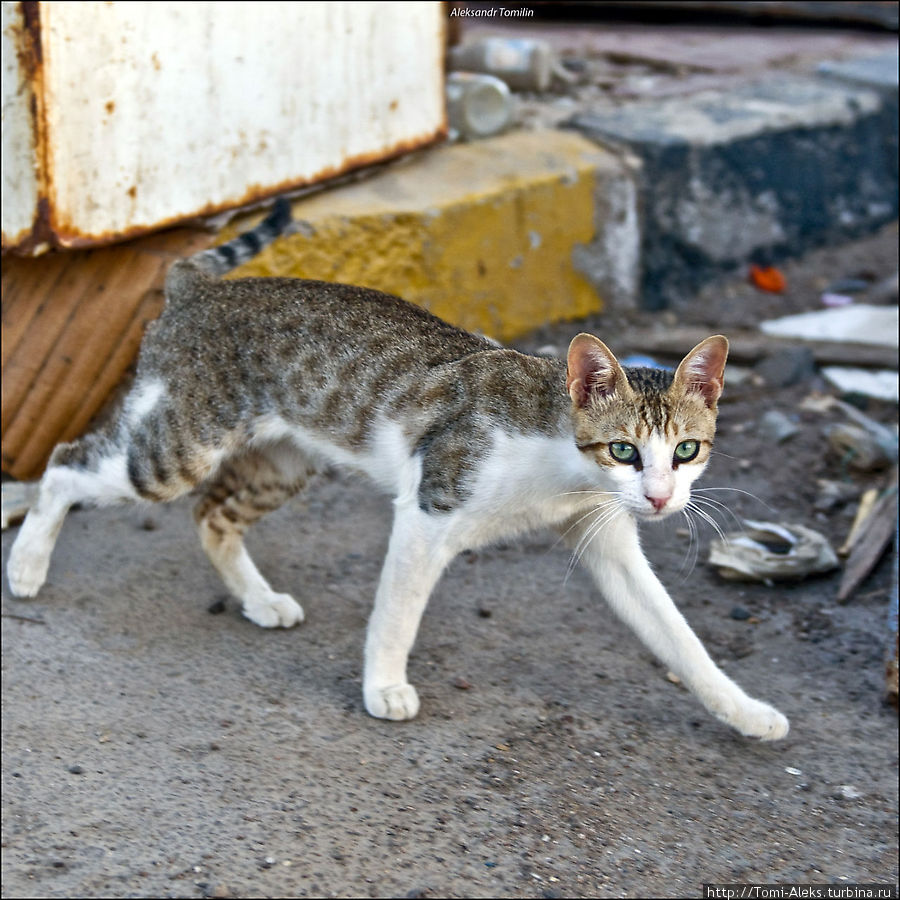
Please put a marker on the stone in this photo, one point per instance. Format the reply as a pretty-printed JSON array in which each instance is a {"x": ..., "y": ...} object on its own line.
[{"x": 768, "y": 168}]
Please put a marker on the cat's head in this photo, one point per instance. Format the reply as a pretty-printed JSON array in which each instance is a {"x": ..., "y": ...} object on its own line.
[{"x": 648, "y": 430}]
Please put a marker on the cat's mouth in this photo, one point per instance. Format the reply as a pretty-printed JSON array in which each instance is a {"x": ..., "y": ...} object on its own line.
[{"x": 652, "y": 513}]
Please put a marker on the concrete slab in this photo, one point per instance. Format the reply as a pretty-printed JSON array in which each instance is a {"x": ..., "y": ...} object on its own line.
[
  {"x": 496, "y": 236},
  {"x": 761, "y": 171},
  {"x": 880, "y": 71}
]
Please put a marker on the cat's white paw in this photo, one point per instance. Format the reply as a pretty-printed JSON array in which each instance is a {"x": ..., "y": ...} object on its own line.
[
  {"x": 26, "y": 569},
  {"x": 274, "y": 611},
  {"x": 397, "y": 701},
  {"x": 759, "y": 720}
]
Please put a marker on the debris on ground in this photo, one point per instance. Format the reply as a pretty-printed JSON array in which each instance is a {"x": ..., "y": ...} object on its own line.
[
  {"x": 861, "y": 443},
  {"x": 859, "y": 448},
  {"x": 525, "y": 64},
  {"x": 769, "y": 551},
  {"x": 749, "y": 347},
  {"x": 860, "y": 322},
  {"x": 863, "y": 509},
  {"x": 478, "y": 106},
  {"x": 870, "y": 536},
  {"x": 768, "y": 278},
  {"x": 881, "y": 384},
  {"x": 833, "y": 494}
]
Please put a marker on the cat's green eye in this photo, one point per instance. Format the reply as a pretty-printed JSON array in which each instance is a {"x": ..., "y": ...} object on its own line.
[
  {"x": 622, "y": 452},
  {"x": 686, "y": 451}
]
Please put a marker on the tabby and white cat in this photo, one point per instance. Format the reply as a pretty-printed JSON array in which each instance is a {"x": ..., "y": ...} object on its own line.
[{"x": 246, "y": 387}]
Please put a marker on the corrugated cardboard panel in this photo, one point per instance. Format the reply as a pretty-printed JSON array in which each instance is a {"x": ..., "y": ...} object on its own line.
[{"x": 72, "y": 324}]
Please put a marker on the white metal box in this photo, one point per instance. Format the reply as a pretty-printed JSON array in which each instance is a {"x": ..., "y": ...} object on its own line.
[{"x": 124, "y": 117}]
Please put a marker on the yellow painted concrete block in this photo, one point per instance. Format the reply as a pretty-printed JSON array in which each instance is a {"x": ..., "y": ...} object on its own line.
[{"x": 480, "y": 234}]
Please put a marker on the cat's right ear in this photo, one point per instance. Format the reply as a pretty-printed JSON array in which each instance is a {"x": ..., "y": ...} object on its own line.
[{"x": 593, "y": 372}]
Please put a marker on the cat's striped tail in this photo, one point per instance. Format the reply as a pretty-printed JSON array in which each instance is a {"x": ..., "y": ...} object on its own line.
[
  {"x": 186, "y": 275},
  {"x": 218, "y": 261}
]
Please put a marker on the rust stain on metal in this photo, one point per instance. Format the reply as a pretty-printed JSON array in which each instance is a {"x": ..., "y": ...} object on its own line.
[
  {"x": 59, "y": 234},
  {"x": 32, "y": 20},
  {"x": 29, "y": 52}
]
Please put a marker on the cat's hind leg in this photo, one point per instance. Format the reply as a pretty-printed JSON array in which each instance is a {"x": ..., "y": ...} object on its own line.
[
  {"x": 246, "y": 487},
  {"x": 149, "y": 454}
]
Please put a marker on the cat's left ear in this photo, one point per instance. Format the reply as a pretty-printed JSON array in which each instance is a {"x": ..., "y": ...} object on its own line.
[
  {"x": 593, "y": 371},
  {"x": 703, "y": 369}
]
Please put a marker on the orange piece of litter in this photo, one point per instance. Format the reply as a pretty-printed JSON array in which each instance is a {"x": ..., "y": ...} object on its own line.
[{"x": 768, "y": 279}]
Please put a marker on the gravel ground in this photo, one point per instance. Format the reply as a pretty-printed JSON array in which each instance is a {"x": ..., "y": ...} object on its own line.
[{"x": 155, "y": 743}]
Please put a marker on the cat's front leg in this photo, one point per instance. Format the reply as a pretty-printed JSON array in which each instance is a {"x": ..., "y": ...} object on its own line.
[
  {"x": 627, "y": 582},
  {"x": 416, "y": 556}
]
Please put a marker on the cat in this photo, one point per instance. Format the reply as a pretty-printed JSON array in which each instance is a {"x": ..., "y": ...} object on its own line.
[{"x": 246, "y": 387}]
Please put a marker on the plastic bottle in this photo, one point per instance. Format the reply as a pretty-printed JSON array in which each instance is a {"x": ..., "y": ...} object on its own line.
[
  {"x": 477, "y": 105},
  {"x": 525, "y": 64}
]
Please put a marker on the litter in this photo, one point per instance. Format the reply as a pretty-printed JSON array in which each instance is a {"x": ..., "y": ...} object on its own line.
[
  {"x": 881, "y": 384},
  {"x": 861, "y": 448},
  {"x": 525, "y": 64},
  {"x": 865, "y": 444},
  {"x": 768, "y": 551},
  {"x": 860, "y": 322},
  {"x": 833, "y": 494},
  {"x": 767, "y": 278},
  {"x": 478, "y": 106},
  {"x": 866, "y": 504},
  {"x": 870, "y": 536}
]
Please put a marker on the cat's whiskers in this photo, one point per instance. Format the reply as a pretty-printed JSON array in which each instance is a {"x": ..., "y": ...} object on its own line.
[
  {"x": 611, "y": 498},
  {"x": 715, "y": 506},
  {"x": 605, "y": 516},
  {"x": 692, "y": 505},
  {"x": 737, "y": 491},
  {"x": 693, "y": 545}
]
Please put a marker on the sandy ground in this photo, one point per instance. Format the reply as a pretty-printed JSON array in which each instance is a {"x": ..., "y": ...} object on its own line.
[{"x": 152, "y": 747}]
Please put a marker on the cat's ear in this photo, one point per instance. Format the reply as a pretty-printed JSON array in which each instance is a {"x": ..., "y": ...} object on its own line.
[
  {"x": 703, "y": 369},
  {"x": 592, "y": 370}
]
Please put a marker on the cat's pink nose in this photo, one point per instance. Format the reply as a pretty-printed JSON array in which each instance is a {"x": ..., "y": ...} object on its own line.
[{"x": 658, "y": 502}]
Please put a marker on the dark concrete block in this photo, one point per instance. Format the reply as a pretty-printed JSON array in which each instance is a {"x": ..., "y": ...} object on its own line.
[{"x": 760, "y": 172}]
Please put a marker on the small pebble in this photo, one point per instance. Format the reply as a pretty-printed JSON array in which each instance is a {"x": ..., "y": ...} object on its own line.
[
  {"x": 739, "y": 613},
  {"x": 76, "y": 770},
  {"x": 216, "y": 608},
  {"x": 462, "y": 684},
  {"x": 848, "y": 792},
  {"x": 792, "y": 771},
  {"x": 776, "y": 426}
]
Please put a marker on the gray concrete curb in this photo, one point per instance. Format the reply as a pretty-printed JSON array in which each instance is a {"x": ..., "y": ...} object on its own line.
[{"x": 757, "y": 173}]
